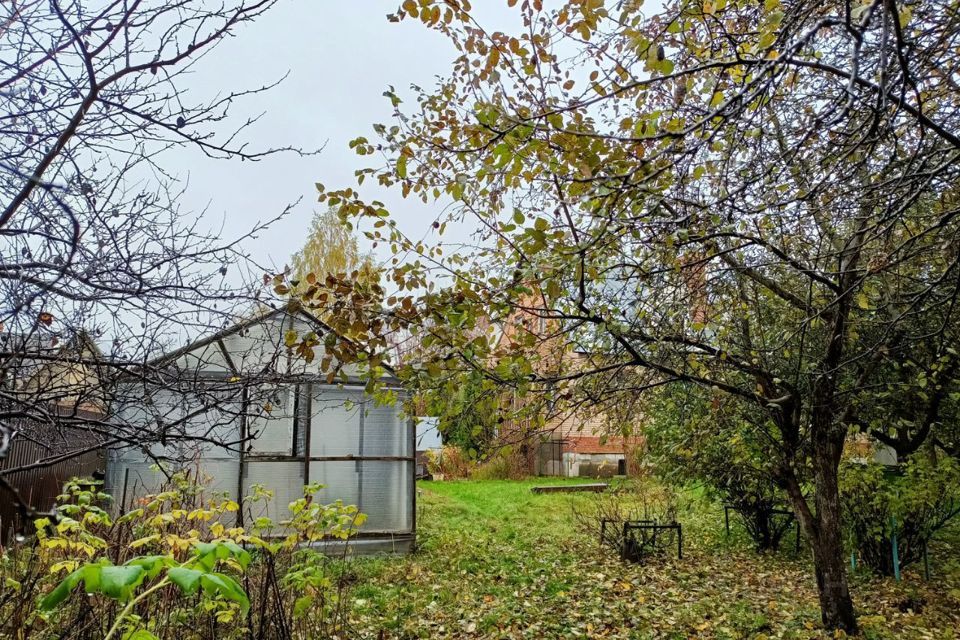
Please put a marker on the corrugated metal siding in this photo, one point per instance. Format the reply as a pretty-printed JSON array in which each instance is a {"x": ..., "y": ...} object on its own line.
[{"x": 40, "y": 486}]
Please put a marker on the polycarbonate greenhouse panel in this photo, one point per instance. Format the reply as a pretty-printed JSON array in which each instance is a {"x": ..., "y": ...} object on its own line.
[
  {"x": 205, "y": 359},
  {"x": 136, "y": 478},
  {"x": 386, "y": 495},
  {"x": 128, "y": 480},
  {"x": 380, "y": 489},
  {"x": 258, "y": 345},
  {"x": 385, "y": 432},
  {"x": 206, "y": 417},
  {"x": 221, "y": 477},
  {"x": 335, "y": 422},
  {"x": 272, "y": 432},
  {"x": 284, "y": 479}
]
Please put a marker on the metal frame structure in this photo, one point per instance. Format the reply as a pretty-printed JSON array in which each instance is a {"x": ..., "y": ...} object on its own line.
[{"x": 633, "y": 549}]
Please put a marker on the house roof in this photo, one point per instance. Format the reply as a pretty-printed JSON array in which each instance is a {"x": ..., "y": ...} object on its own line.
[
  {"x": 64, "y": 375},
  {"x": 594, "y": 444}
]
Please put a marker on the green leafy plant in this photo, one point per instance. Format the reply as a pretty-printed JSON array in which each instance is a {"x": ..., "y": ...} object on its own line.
[
  {"x": 913, "y": 503},
  {"x": 153, "y": 573},
  {"x": 180, "y": 565}
]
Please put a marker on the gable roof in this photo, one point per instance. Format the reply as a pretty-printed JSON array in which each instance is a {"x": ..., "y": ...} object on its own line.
[
  {"x": 254, "y": 319},
  {"x": 297, "y": 312}
]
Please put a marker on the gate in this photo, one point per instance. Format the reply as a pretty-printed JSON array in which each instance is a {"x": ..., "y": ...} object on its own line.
[{"x": 550, "y": 458}]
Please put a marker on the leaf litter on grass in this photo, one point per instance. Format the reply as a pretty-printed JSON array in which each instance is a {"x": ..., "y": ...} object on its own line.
[{"x": 496, "y": 561}]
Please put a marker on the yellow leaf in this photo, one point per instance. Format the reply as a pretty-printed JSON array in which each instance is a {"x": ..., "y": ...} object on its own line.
[
  {"x": 65, "y": 566},
  {"x": 136, "y": 544}
]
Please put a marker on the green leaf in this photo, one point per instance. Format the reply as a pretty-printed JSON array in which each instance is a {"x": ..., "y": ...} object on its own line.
[
  {"x": 208, "y": 553},
  {"x": 218, "y": 583},
  {"x": 187, "y": 579},
  {"x": 302, "y": 604},
  {"x": 62, "y": 591},
  {"x": 91, "y": 577},
  {"x": 240, "y": 554},
  {"x": 119, "y": 582},
  {"x": 152, "y": 565},
  {"x": 140, "y": 634}
]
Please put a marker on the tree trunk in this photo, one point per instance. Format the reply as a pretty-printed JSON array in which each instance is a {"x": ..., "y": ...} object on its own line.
[
  {"x": 764, "y": 538},
  {"x": 836, "y": 605},
  {"x": 823, "y": 529}
]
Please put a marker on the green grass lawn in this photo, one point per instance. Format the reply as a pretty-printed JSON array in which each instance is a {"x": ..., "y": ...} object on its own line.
[{"x": 497, "y": 561}]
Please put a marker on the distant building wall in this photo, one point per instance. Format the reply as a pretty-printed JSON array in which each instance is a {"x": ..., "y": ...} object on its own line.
[{"x": 594, "y": 465}]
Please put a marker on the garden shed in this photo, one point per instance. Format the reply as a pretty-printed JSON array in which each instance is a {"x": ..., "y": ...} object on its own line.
[{"x": 297, "y": 427}]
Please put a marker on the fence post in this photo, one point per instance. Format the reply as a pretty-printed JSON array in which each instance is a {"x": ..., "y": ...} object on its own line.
[
  {"x": 896, "y": 550},
  {"x": 623, "y": 543},
  {"x": 123, "y": 500}
]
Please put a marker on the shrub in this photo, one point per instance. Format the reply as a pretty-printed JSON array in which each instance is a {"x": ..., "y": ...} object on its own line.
[
  {"x": 503, "y": 465},
  {"x": 449, "y": 463},
  {"x": 914, "y": 501},
  {"x": 631, "y": 500},
  {"x": 723, "y": 453},
  {"x": 177, "y": 566}
]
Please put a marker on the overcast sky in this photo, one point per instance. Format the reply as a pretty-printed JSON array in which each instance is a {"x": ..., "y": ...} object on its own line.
[{"x": 341, "y": 55}]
